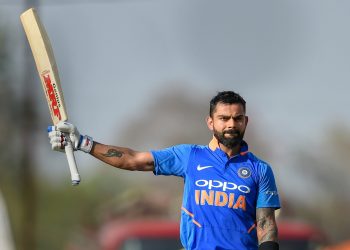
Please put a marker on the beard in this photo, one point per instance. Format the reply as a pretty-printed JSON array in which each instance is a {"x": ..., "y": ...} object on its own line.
[{"x": 235, "y": 137}]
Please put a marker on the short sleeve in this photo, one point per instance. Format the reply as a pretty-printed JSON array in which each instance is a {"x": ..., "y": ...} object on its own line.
[
  {"x": 268, "y": 195},
  {"x": 172, "y": 160}
]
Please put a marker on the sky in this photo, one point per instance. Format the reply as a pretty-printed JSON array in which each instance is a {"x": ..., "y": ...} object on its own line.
[{"x": 289, "y": 59}]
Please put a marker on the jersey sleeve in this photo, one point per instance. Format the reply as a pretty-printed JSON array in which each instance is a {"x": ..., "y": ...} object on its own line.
[
  {"x": 268, "y": 195},
  {"x": 172, "y": 160}
]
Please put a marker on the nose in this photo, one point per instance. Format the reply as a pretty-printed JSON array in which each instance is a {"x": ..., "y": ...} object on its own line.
[{"x": 231, "y": 123}]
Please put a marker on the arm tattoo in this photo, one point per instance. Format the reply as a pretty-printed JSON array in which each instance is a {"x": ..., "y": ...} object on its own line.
[
  {"x": 113, "y": 153},
  {"x": 266, "y": 225}
]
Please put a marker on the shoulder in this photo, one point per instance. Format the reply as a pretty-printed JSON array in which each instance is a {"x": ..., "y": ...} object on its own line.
[
  {"x": 182, "y": 147},
  {"x": 174, "y": 151},
  {"x": 185, "y": 147},
  {"x": 260, "y": 165}
]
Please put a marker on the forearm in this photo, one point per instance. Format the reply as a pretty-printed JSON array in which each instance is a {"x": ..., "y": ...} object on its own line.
[
  {"x": 123, "y": 158},
  {"x": 266, "y": 225}
]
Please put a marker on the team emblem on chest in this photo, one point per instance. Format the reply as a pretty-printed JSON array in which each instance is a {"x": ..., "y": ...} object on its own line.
[{"x": 244, "y": 172}]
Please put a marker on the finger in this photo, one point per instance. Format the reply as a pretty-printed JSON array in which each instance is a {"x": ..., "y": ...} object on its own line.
[
  {"x": 57, "y": 146},
  {"x": 65, "y": 127},
  {"x": 54, "y": 134},
  {"x": 55, "y": 140},
  {"x": 57, "y": 137}
]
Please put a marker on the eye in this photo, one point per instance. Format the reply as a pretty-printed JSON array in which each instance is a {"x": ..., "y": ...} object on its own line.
[
  {"x": 239, "y": 118},
  {"x": 223, "y": 118}
]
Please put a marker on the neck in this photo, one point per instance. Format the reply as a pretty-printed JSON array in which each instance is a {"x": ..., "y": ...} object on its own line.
[{"x": 230, "y": 151}]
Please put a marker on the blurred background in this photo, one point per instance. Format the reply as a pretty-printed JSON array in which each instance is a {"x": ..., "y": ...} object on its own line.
[{"x": 140, "y": 73}]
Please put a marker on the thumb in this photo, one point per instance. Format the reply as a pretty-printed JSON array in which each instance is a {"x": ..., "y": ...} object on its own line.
[{"x": 65, "y": 127}]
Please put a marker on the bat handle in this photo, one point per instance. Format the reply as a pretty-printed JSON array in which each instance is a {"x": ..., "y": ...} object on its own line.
[{"x": 72, "y": 164}]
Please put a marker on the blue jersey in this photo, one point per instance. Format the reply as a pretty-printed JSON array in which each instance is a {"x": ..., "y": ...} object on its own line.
[{"x": 221, "y": 194}]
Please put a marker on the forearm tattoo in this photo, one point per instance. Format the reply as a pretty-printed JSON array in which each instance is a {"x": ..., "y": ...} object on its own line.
[
  {"x": 266, "y": 225},
  {"x": 113, "y": 153}
]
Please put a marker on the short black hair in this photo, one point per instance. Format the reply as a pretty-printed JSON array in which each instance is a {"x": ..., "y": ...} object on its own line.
[{"x": 226, "y": 97}]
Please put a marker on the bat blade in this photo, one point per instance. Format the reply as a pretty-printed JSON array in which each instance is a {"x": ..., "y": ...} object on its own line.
[
  {"x": 48, "y": 72},
  {"x": 46, "y": 64}
]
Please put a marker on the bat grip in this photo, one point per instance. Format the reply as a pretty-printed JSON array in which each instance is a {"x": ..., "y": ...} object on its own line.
[{"x": 72, "y": 164}]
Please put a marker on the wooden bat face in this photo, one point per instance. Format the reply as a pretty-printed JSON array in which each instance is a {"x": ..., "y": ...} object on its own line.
[{"x": 46, "y": 64}]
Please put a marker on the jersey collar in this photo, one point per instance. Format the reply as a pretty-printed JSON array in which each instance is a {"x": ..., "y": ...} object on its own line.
[{"x": 214, "y": 145}]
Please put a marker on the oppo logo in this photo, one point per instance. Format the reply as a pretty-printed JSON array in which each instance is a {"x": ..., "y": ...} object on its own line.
[{"x": 224, "y": 186}]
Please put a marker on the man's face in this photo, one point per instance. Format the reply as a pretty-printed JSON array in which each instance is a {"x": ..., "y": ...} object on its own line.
[{"x": 228, "y": 123}]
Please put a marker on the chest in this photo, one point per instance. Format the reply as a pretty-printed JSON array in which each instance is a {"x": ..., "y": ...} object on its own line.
[{"x": 210, "y": 172}]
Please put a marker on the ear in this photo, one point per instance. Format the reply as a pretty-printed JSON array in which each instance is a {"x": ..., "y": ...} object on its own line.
[
  {"x": 210, "y": 123},
  {"x": 246, "y": 120}
]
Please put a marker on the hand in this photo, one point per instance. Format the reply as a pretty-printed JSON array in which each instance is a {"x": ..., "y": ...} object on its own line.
[{"x": 64, "y": 133}]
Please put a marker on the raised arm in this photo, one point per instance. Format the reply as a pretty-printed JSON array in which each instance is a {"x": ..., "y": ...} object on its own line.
[
  {"x": 267, "y": 229},
  {"x": 123, "y": 158},
  {"x": 119, "y": 157}
]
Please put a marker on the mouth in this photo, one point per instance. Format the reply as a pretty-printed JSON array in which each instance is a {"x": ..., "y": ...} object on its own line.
[{"x": 232, "y": 133}]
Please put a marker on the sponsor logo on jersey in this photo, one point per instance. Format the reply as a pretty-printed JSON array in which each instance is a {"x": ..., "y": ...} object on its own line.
[
  {"x": 223, "y": 185},
  {"x": 244, "y": 172},
  {"x": 200, "y": 168},
  {"x": 217, "y": 193}
]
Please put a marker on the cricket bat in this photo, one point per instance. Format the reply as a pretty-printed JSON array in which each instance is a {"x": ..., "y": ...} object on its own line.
[{"x": 47, "y": 68}]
